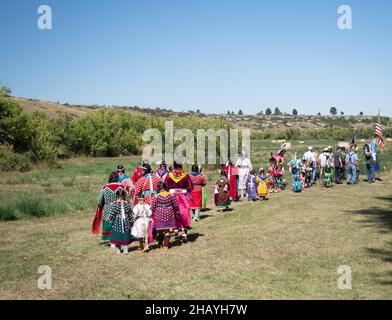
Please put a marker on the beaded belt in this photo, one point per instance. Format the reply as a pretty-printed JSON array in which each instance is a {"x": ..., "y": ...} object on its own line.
[{"x": 178, "y": 191}]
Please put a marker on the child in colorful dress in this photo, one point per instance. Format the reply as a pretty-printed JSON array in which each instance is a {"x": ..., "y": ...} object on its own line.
[
  {"x": 295, "y": 170},
  {"x": 166, "y": 215},
  {"x": 279, "y": 177},
  {"x": 251, "y": 186},
  {"x": 120, "y": 217},
  {"x": 306, "y": 174},
  {"x": 106, "y": 196},
  {"x": 272, "y": 176},
  {"x": 198, "y": 181},
  {"x": 222, "y": 196},
  {"x": 141, "y": 229},
  {"x": 262, "y": 184}
]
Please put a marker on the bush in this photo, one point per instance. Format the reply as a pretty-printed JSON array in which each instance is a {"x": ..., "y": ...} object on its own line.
[
  {"x": 9, "y": 212},
  {"x": 31, "y": 206},
  {"x": 11, "y": 161}
]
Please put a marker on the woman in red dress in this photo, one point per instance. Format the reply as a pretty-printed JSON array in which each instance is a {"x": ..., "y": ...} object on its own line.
[
  {"x": 233, "y": 176},
  {"x": 198, "y": 181}
]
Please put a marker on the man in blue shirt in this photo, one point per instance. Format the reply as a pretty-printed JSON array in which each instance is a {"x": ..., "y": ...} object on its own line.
[{"x": 352, "y": 165}]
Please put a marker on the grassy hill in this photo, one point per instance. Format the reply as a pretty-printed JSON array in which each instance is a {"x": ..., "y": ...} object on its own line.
[{"x": 255, "y": 122}]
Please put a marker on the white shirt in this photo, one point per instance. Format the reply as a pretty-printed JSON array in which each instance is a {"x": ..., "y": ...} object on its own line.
[
  {"x": 309, "y": 156},
  {"x": 323, "y": 160}
]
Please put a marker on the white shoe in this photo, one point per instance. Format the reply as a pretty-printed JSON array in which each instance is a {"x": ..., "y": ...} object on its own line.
[
  {"x": 112, "y": 245},
  {"x": 118, "y": 251}
]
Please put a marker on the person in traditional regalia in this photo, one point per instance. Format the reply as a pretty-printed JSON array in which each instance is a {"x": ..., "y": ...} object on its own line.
[
  {"x": 244, "y": 166},
  {"x": 251, "y": 186},
  {"x": 138, "y": 173},
  {"x": 129, "y": 187},
  {"x": 141, "y": 228},
  {"x": 166, "y": 215},
  {"x": 279, "y": 177},
  {"x": 106, "y": 196},
  {"x": 273, "y": 185},
  {"x": 222, "y": 196},
  {"x": 121, "y": 218},
  {"x": 121, "y": 173},
  {"x": 146, "y": 186},
  {"x": 180, "y": 185},
  {"x": 232, "y": 174},
  {"x": 204, "y": 195},
  {"x": 162, "y": 171},
  {"x": 198, "y": 181},
  {"x": 262, "y": 184}
]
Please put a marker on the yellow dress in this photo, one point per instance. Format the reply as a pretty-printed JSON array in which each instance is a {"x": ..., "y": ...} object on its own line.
[{"x": 262, "y": 186}]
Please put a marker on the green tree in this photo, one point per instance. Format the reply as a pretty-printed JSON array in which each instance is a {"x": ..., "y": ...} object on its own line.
[
  {"x": 268, "y": 112},
  {"x": 15, "y": 128},
  {"x": 5, "y": 91},
  {"x": 277, "y": 111},
  {"x": 240, "y": 113},
  {"x": 361, "y": 113},
  {"x": 295, "y": 112},
  {"x": 333, "y": 111}
]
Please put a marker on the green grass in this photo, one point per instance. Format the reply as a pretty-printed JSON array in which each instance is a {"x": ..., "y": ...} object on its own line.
[{"x": 288, "y": 247}]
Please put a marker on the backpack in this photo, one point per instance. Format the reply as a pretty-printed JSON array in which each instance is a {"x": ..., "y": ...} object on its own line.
[
  {"x": 350, "y": 158},
  {"x": 336, "y": 160}
]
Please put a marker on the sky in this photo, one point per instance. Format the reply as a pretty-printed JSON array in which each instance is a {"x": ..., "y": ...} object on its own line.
[{"x": 211, "y": 55}]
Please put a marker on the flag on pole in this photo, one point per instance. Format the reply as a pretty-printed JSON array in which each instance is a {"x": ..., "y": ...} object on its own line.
[
  {"x": 353, "y": 142},
  {"x": 379, "y": 133}
]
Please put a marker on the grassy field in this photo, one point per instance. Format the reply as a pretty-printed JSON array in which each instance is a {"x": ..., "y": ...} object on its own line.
[{"x": 289, "y": 247}]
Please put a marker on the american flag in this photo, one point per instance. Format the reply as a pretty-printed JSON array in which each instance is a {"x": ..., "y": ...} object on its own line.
[{"x": 379, "y": 134}]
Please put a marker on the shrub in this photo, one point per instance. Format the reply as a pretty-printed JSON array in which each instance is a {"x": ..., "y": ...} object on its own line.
[{"x": 10, "y": 160}]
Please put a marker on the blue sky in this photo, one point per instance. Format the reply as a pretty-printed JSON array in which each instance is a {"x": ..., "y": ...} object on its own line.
[{"x": 196, "y": 54}]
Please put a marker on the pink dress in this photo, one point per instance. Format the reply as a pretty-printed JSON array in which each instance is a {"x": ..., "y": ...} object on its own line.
[{"x": 180, "y": 185}]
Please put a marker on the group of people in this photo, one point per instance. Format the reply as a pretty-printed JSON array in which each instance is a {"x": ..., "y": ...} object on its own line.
[
  {"x": 158, "y": 205},
  {"x": 154, "y": 206},
  {"x": 333, "y": 166}
]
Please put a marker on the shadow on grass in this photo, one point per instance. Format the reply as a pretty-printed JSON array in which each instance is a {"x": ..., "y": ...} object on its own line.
[
  {"x": 205, "y": 216},
  {"x": 192, "y": 237},
  {"x": 381, "y": 218}
]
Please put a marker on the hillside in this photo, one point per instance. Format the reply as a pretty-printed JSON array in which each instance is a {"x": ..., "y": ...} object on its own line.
[{"x": 255, "y": 122}]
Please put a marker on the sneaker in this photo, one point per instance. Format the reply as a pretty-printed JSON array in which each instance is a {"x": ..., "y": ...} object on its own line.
[
  {"x": 112, "y": 245},
  {"x": 118, "y": 251}
]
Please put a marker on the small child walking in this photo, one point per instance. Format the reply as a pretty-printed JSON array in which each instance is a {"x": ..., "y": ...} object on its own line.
[
  {"x": 251, "y": 186},
  {"x": 222, "y": 196},
  {"x": 120, "y": 216},
  {"x": 262, "y": 184},
  {"x": 141, "y": 229}
]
